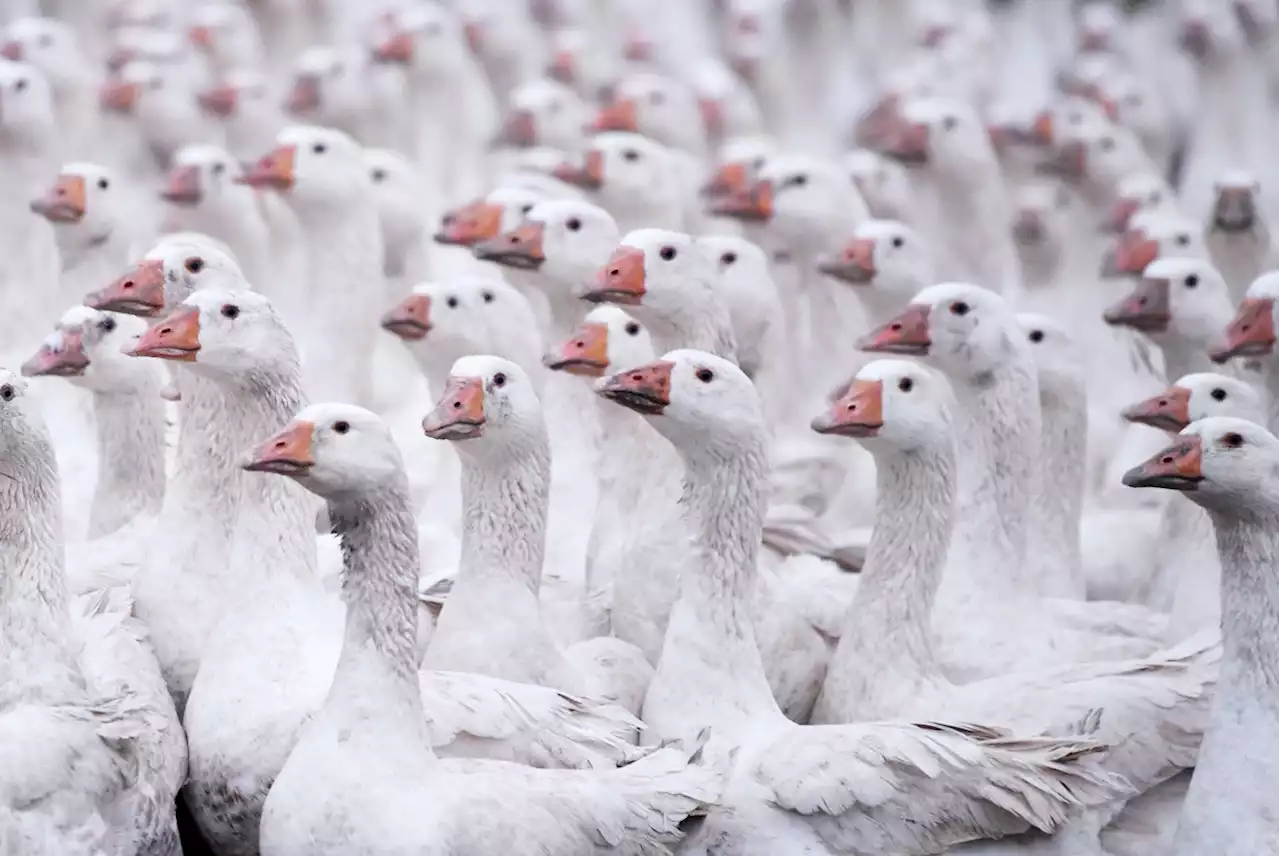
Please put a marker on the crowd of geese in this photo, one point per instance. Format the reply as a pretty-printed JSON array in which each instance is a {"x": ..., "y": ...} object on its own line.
[{"x": 557, "y": 427}]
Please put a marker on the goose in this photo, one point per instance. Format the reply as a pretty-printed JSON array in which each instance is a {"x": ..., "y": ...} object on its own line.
[
  {"x": 883, "y": 183},
  {"x": 728, "y": 107},
  {"x": 639, "y": 181},
  {"x": 746, "y": 286},
  {"x": 226, "y": 36},
  {"x": 1187, "y": 574},
  {"x": 346, "y": 455},
  {"x": 544, "y": 113},
  {"x": 340, "y": 86},
  {"x": 970, "y": 333},
  {"x": 1041, "y": 230},
  {"x": 95, "y": 750},
  {"x": 397, "y": 191},
  {"x": 1238, "y": 236},
  {"x": 1252, "y": 333},
  {"x": 1137, "y": 192},
  {"x": 886, "y": 262},
  {"x": 52, "y": 47},
  {"x": 320, "y": 174},
  {"x": 793, "y": 786},
  {"x": 657, "y": 107},
  {"x": 1227, "y": 466},
  {"x": 160, "y": 106},
  {"x": 242, "y": 102},
  {"x": 1154, "y": 235},
  {"x": 579, "y": 59}
]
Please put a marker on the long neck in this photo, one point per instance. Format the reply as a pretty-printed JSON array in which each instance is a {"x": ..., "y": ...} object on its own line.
[
  {"x": 1054, "y": 538},
  {"x": 131, "y": 446},
  {"x": 504, "y": 512},
  {"x": 1247, "y": 548},
  {"x": 631, "y": 439},
  {"x": 704, "y": 325},
  {"x": 376, "y": 677},
  {"x": 1188, "y": 352}
]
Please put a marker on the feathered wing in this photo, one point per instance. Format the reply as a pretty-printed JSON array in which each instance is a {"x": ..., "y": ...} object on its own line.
[{"x": 921, "y": 787}]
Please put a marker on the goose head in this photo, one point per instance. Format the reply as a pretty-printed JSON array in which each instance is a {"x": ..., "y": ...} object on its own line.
[
  {"x": 336, "y": 451},
  {"x": 565, "y": 240},
  {"x": 1198, "y": 396},
  {"x": 1137, "y": 192},
  {"x": 728, "y": 107},
  {"x": 964, "y": 329},
  {"x": 153, "y": 95},
  {"x": 159, "y": 45},
  {"x": 490, "y": 402},
  {"x": 330, "y": 85},
  {"x": 502, "y": 210},
  {"x": 24, "y": 439},
  {"x": 752, "y": 31},
  {"x": 1176, "y": 300},
  {"x": 606, "y": 342},
  {"x": 1097, "y": 155},
  {"x": 892, "y": 405},
  {"x": 943, "y": 135},
  {"x": 577, "y": 60},
  {"x": 241, "y": 93},
  {"x": 50, "y": 46},
  {"x": 1222, "y": 463},
  {"x": 655, "y": 272},
  {"x": 656, "y": 106},
  {"x": 1151, "y": 236},
  {"x": 313, "y": 167},
  {"x": 397, "y": 194},
  {"x": 206, "y": 177},
  {"x": 1252, "y": 332},
  {"x": 1041, "y": 220},
  {"x": 543, "y": 113},
  {"x": 464, "y": 315},
  {"x": 699, "y": 402},
  {"x": 224, "y": 333},
  {"x": 1209, "y": 33},
  {"x": 626, "y": 172},
  {"x": 428, "y": 40},
  {"x": 83, "y": 205},
  {"x": 885, "y": 255},
  {"x": 1056, "y": 356},
  {"x": 738, "y": 165},
  {"x": 746, "y": 285},
  {"x": 87, "y": 347},
  {"x": 1236, "y": 202},
  {"x": 225, "y": 34},
  {"x": 167, "y": 274},
  {"x": 26, "y": 105},
  {"x": 1098, "y": 28}
]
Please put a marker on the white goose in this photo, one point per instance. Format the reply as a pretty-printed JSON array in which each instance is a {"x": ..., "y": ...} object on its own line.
[
  {"x": 639, "y": 181},
  {"x": 1252, "y": 333},
  {"x": 1237, "y": 232}
]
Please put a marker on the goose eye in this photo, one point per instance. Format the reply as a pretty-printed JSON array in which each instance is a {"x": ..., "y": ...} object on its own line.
[
  {"x": 656, "y": 98},
  {"x": 525, "y": 209},
  {"x": 906, "y": 384},
  {"x": 500, "y": 379},
  {"x": 319, "y": 148},
  {"x": 705, "y": 375},
  {"x": 667, "y": 253},
  {"x": 949, "y": 123},
  {"x": 1182, "y": 240},
  {"x": 1036, "y": 336},
  {"x": 960, "y": 308},
  {"x": 7, "y": 392},
  {"x": 230, "y": 310},
  {"x": 342, "y": 426},
  {"x": 573, "y": 224},
  {"x": 898, "y": 241},
  {"x": 378, "y": 176},
  {"x": 632, "y": 328},
  {"x": 452, "y": 303},
  {"x": 1107, "y": 144},
  {"x": 798, "y": 180},
  {"x": 103, "y": 184},
  {"x": 630, "y": 155},
  {"x": 106, "y": 325},
  {"x": 1231, "y": 441},
  {"x": 45, "y": 40},
  {"x": 488, "y": 296},
  {"x": 219, "y": 168},
  {"x": 1191, "y": 281},
  {"x": 728, "y": 258},
  {"x": 1218, "y": 394},
  {"x": 195, "y": 265}
]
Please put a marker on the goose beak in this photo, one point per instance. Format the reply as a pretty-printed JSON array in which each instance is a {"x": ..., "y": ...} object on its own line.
[
  {"x": 646, "y": 389},
  {"x": 1132, "y": 253},
  {"x": 397, "y": 49},
  {"x": 12, "y": 51},
  {"x": 64, "y": 203},
  {"x": 460, "y": 413},
  {"x": 175, "y": 338},
  {"x": 288, "y": 453},
  {"x": 618, "y": 115},
  {"x": 68, "y": 360},
  {"x": 561, "y": 68},
  {"x": 876, "y": 127},
  {"x": 589, "y": 176},
  {"x": 712, "y": 117},
  {"x": 1145, "y": 309},
  {"x": 585, "y": 354},
  {"x": 1042, "y": 129},
  {"x": 620, "y": 281},
  {"x": 855, "y": 265},
  {"x": 304, "y": 97},
  {"x": 201, "y": 37},
  {"x": 910, "y": 144},
  {"x": 274, "y": 170},
  {"x": 729, "y": 178},
  {"x": 183, "y": 187},
  {"x": 1121, "y": 213},
  {"x": 1176, "y": 468},
  {"x": 119, "y": 96},
  {"x": 907, "y": 334},
  {"x": 753, "y": 204},
  {"x": 858, "y": 412},
  {"x": 140, "y": 291},
  {"x": 470, "y": 224},
  {"x": 410, "y": 319},
  {"x": 518, "y": 130},
  {"x": 1252, "y": 333},
  {"x": 1234, "y": 210},
  {"x": 219, "y": 100},
  {"x": 1168, "y": 411},
  {"x": 521, "y": 248}
]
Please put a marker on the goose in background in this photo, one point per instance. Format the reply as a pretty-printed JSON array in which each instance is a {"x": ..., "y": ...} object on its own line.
[
  {"x": 1252, "y": 334},
  {"x": 1240, "y": 239}
]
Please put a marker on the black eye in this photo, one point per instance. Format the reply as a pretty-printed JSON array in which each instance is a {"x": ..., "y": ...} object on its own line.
[
  {"x": 487, "y": 295},
  {"x": 21, "y": 84},
  {"x": 906, "y": 384},
  {"x": 630, "y": 155},
  {"x": 949, "y": 123},
  {"x": 705, "y": 375},
  {"x": 798, "y": 180},
  {"x": 319, "y": 148},
  {"x": 1191, "y": 281},
  {"x": 7, "y": 392},
  {"x": 452, "y": 303},
  {"x": 499, "y": 379},
  {"x": 632, "y": 328},
  {"x": 342, "y": 426},
  {"x": 195, "y": 265},
  {"x": 525, "y": 209},
  {"x": 378, "y": 176},
  {"x": 230, "y": 310},
  {"x": 656, "y": 98},
  {"x": 667, "y": 253},
  {"x": 1182, "y": 240},
  {"x": 219, "y": 168},
  {"x": 106, "y": 325},
  {"x": 45, "y": 40},
  {"x": 1107, "y": 144},
  {"x": 1218, "y": 394},
  {"x": 1231, "y": 441},
  {"x": 1036, "y": 336},
  {"x": 898, "y": 241},
  {"x": 103, "y": 184},
  {"x": 728, "y": 258},
  {"x": 959, "y": 308},
  {"x": 573, "y": 224}
]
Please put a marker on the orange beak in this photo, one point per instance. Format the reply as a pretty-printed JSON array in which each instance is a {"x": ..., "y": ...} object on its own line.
[
  {"x": 274, "y": 170},
  {"x": 1168, "y": 411},
  {"x": 304, "y": 97},
  {"x": 410, "y": 319},
  {"x": 460, "y": 413},
  {"x": 396, "y": 49},
  {"x": 219, "y": 100},
  {"x": 1042, "y": 129},
  {"x": 518, "y": 129},
  {"x": 910, "y": 144},
  {"x": 621, "y": 280},
  {"x": 175, "y": 338},
  {"x": 907, "y": 334},
  {"x": 475, "y": 36},
  {"x": 139, "y": 291},
  {"x": 521, "y": 248},
  {"x": 119, "y": 96},
  {"x": 618, "y": 115},
  {"x": 470, "y": 224},
  {"x": 69, "y": 360},
  {"x": 561, "y": 67},
  {"x": 1133, "y": 252},
  {"x": 288, "y": 453},
  {"x": 586, "y": 354},
  {"x": 12, "y": 51},
  {"x": 731, "y": 177},
  {"x": 1121, "y": 213},
  {"x": 712, "y": 117},
  {"x": 1176, "y": 468},
  {"x": 65, "y": 203},
  {"x": 1235, "y": 209},
  {"x": 857, "y": 413},
  {"x": 183, "y": 187},
  {"x": 1145, "y": 309},
  {"x": 877, "y": 126},
  {"x": 1252, "y": 333},
  {"x": 646, "y": 389},
  {"x": 856, "y": 264},
  {"x": 754, "y": 204},
  {"x": 201, "y": 37},
  {"x": 590, "y": 176}
]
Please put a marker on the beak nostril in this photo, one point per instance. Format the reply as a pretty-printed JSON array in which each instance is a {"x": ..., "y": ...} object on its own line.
[
  {"x": 280, "y": 444},
  {"x": 579, "y": 344},
  {"x": 165, "y": 331},
  {"x": 895, "y": 326},
  {"x": 457, "y": 405},
  {"x": 1167, "y": 459},
  {"x": 615, "y": 272},
  {"x": 128, "y": 283}
]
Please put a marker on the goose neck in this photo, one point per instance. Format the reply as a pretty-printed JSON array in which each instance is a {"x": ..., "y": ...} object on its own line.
[
  {"x": 131, "y": 427},
  {"x": 702, "y": 324},
  {"x": 1059, "y": 495},
  {"x": 1248, "y": 551}
]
